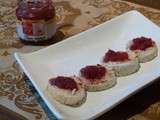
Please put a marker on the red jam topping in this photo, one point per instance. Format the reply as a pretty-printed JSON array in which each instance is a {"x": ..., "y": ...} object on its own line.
[
  {"x": 115, "y": 56},
  {"x": 64, "y": 83},
  {"x": 93, "y": 72},
  {"x": 141, "y": 43}
]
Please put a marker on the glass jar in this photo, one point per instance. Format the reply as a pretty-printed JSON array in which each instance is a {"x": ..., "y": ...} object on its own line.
[{"x": 36, "y": 21}]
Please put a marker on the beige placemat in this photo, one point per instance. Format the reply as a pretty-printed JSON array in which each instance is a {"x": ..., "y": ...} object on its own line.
[{"x": 75, "y": 16}]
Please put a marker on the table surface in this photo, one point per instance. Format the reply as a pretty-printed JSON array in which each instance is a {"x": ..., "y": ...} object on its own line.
[
  {"x": 150, "y": 3},
  {"x": 18, "y": 98}
]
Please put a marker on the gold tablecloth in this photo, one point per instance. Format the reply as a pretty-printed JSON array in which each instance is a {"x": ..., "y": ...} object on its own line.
[{"x": 72, "y": 16}]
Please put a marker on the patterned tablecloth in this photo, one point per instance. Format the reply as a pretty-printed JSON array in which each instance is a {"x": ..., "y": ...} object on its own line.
[{"x": 73, "y": 16}]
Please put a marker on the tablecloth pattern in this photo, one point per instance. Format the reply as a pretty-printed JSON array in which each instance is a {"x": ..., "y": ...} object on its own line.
[{"x": 72, "y": 16}]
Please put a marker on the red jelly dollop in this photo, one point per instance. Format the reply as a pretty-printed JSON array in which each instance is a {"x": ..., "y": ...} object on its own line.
[
  {"x": 93, "y": 72},
  {"x": 141, "y": 43},
  {"x": 115, "y": 56},
  {"x": 64, "y": 83}
]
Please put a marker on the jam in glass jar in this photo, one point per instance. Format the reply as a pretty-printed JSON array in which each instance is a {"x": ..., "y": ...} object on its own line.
[{"x": 36, "y": 21}]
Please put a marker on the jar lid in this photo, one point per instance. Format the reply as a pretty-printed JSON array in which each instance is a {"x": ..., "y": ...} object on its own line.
[{"x": 35, "y": 10}]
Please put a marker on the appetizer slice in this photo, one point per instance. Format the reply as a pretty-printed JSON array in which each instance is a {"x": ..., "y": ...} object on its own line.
[
  {"x": 123, "y": 63},
  {"x": 97, "y": 77},
  {"x": 67, "y": 90},
  {"x": 144, "y": 48}
]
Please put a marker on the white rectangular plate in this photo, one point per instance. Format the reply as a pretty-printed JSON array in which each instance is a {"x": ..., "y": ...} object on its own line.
[{"x": 86, "y": 48}]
